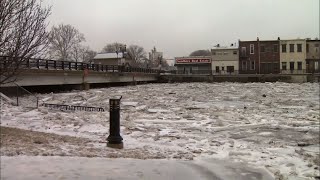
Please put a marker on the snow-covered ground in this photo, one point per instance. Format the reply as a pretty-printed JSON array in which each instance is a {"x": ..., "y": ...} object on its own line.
[
  {"x": 275, "y": 125},
  {"x": 82, "y": 168}
]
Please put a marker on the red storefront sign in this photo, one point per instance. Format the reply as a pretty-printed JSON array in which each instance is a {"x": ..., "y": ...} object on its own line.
[{"x": 195, "y": 60}]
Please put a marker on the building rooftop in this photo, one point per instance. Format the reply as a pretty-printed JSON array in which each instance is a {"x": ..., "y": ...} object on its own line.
[
  {"x": 108, "y": 55},
  {"x": 224, "y": 47}
]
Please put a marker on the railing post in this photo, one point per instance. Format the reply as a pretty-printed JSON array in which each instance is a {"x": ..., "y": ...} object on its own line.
[
  {"x": 47, "y": 67},
  {"x": 17, "y": 96},
  {"x": 69, "y": 65},
  {"x": 76, "y": 64},
  {"x": 28, "y": 63},
  {"x": 38, "y": 63},
  {"x": 4, "y": 64},
  {"x": 62, "y": 65}
]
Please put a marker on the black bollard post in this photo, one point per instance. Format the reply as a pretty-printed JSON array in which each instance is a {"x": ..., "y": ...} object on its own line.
[{"x": 114, "y": 138}]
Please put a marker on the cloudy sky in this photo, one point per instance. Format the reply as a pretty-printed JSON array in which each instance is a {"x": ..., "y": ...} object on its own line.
[{"x": 178, "y": 27}]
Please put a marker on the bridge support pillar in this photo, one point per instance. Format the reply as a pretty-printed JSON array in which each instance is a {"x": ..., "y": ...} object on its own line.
[{"x": 85, "y": 86}]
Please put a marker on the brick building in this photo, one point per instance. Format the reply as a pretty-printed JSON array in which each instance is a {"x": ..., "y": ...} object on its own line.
[
  {"x": 313, "y": 56},
  {"x": 269, "y": 54},
  {"x": 261, "y": 57},
  {"x": 248, "y": 57}
]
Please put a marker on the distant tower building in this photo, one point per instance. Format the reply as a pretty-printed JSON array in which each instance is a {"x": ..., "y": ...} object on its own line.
[{"x": 155, "y": 57}]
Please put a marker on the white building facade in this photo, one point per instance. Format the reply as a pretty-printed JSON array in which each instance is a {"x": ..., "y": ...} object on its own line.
[
  {"x": 225, "y": 60},
  {"x": 293, "y": 56}
]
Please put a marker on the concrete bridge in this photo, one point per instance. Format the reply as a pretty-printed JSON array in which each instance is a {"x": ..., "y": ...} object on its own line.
[{"x": 39, "y": 72}]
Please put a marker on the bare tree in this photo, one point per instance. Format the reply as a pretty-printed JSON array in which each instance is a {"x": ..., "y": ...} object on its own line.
[
  {"x": 113, "y": 47},
  {"x": 137, "y": 55},
  {"x": 63, "y": 41},
  {"x": 201, "y": 53},
  {"x": 88, "y": 55},
  {"x": 22, "y": 35}
]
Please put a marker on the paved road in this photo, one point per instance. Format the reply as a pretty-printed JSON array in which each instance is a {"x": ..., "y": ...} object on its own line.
[{"x": 40, "y": 167}]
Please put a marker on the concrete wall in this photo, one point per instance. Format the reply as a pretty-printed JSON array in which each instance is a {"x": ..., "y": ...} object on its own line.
[
  {"x": 239, "y": 78},
  {"x": 295, "y": 56},
  {"x": 59, "y": 77}
]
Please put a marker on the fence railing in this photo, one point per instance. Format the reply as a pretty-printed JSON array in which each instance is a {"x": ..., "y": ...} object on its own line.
[
  {"x": 22, "y": 97},
  {"x": 213, "y": 72},
  {"x": 68, "y": 65},
  {"x": 73, "y": 108}
]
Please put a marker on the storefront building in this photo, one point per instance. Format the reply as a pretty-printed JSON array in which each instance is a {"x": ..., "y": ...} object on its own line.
[{"x": 193, "y": 65}]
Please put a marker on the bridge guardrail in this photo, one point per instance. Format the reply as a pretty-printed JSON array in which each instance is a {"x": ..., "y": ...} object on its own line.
[{"x": 68, "y": 65}]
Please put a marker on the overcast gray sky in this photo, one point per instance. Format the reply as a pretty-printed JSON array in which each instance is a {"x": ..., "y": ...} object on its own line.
[{"x": 178, "y": 27}]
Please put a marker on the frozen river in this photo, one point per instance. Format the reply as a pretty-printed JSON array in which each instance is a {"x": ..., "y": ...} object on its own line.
[{"x": 271, "y": 125}]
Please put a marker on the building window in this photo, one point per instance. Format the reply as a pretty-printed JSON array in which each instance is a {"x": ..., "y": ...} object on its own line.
[
  {"x": 244, "y": 65},
  {"x": 291, "y": 65},
  {"x": 230, "y": 69},
  {"x": 251, "y": 48},
  {"x": 275, "y": 48},
  {"x": 243, "y": 51},
  {"x": 262, "y": 49},
  {"x": 225, "y": 53},
  {"x": 217, "y": 69},
  {"x": 284, "y": 65},
  {"x": 291, "y": 47},
  {"x": 307, "y": 48},
  {"x": 222, "y": 68},
  {"x": 299, "y": 47},
  {"x": 284, "y": 48},
  {"x": 299, "y": 65},
  {"x": 235, "y": 52},
  {"x": 252, "y": 67},
  {"x": 213, "y": 53}
]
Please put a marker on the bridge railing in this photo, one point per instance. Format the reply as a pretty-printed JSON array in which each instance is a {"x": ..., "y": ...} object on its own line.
[{"x": 68, "y": 65}]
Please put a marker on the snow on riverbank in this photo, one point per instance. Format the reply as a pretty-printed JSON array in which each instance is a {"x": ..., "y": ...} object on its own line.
[{"x": 259, "y": 123}]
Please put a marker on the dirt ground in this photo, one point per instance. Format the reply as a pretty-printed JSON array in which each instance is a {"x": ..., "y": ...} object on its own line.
[{"x": 31, "y": 143}]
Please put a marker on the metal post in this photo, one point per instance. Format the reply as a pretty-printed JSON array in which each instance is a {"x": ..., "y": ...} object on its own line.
[
  {"x": 38, "y": 66},
  {"x": 47, "y": 66},
  {"x": 114, "y": 139},
  {"x": 17, "y": 96}
]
